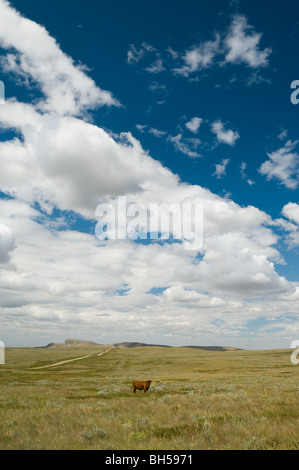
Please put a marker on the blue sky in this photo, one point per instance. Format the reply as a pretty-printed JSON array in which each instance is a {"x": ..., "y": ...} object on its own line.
[
  {"x": 100, "y": 35},
  {"x": 100, "y": 98}
]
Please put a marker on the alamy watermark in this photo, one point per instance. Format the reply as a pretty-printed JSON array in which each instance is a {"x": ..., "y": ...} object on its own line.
[
  {"x": 295, "y": 94},
  {"x": 2, "y": 353},
  {"x": 2, "y": 92},
  {"x": 120, "y": 220},
  {"x": 294, "y": 358}
]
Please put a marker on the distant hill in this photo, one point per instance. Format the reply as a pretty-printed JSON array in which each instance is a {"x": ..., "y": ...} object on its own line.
[
  {"x": 206, "y": 348},
  {"x": 71, "y": 343},
  {"x": 138, "y": 345},
  {"x": 214, "y": 348},
  {"x": 78, "y": 343}
]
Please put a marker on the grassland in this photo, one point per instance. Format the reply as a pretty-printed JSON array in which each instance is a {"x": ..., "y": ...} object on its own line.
[{"x": 197, "y": 400}]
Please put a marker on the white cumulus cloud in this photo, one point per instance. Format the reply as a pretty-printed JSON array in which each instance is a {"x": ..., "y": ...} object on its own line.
[
  {"x": 220, "y": 168},
  {"x": 194, "y": 124},
  {"x": 7, "y": 243},
  {"x": 35, "y": 55},
  {"x": 242, "y": 44},
  {"x": 283, "y": 165},
  {"x": 225, "y": 136}
]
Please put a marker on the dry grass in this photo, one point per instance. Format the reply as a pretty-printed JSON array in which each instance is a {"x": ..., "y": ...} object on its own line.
[{"x": 198, "y": 400}]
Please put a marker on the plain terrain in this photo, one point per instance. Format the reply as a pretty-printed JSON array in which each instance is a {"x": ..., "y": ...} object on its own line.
[{"x": 198, "y": 399}]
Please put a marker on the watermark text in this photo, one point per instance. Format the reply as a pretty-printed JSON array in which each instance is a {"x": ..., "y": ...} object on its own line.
[
  {"x": 2, "y": 353},
  {"x": 294, "y": 358},
  {"x": 295, "y": 94},
  {"x": 2, "y": 92},
  {"x": 120, "y": 220}
]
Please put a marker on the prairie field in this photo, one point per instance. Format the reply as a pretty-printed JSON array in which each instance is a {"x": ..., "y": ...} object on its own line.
[{"x": 247, "y": 400}]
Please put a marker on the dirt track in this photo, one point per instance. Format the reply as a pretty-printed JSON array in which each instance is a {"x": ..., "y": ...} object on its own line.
[{"x": 69, "y": 360}]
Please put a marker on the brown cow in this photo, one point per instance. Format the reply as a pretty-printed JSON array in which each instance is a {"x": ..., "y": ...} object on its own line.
[{"x": 139, "y": 385}]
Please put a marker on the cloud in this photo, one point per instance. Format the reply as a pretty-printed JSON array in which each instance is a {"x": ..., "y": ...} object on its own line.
[
  {"x": 283, "y": 134},
  {"x": 198, "y": 57},
  {"x": 179, "y": 294},
  {"x": 290, "y": 227},
  {"x": 7, "y": 243},
  {"x": 243, "y": 167},
  {"x": 242, "y": 45},
  {"x": 71, "y": 164},
  {"x": 185, "y": 146},
  {"x": 227, "y": 257},
  {"x": 283, "y": 165},
  {"x": 194, "y": 124},
  {"x": 156, "y": 67},
  {"x": 291, "y": 211},
  {"x": 172, "y": 52},
  {"x": 151, "y": 130},
  {"x": 135, "y": 55},
  {"x": 35, "y": 54},
  {"x": 238, "y": 45},
  {"x": 220, "y": 170},
  {"x": 256, "y": 78},
  {"x": 61, "y": 287},
  {"x": 157, "y": 87},
  {"x": 53, "y": 275},
  {"x": 224, "y": 136},
  {"x": 189, "y": 145}
]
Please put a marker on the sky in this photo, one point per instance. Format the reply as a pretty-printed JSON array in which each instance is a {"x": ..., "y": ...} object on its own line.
[{"x": 161, "y": 103}]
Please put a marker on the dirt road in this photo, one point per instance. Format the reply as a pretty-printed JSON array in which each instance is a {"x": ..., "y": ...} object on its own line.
[{"x": 69, "y": 360}]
